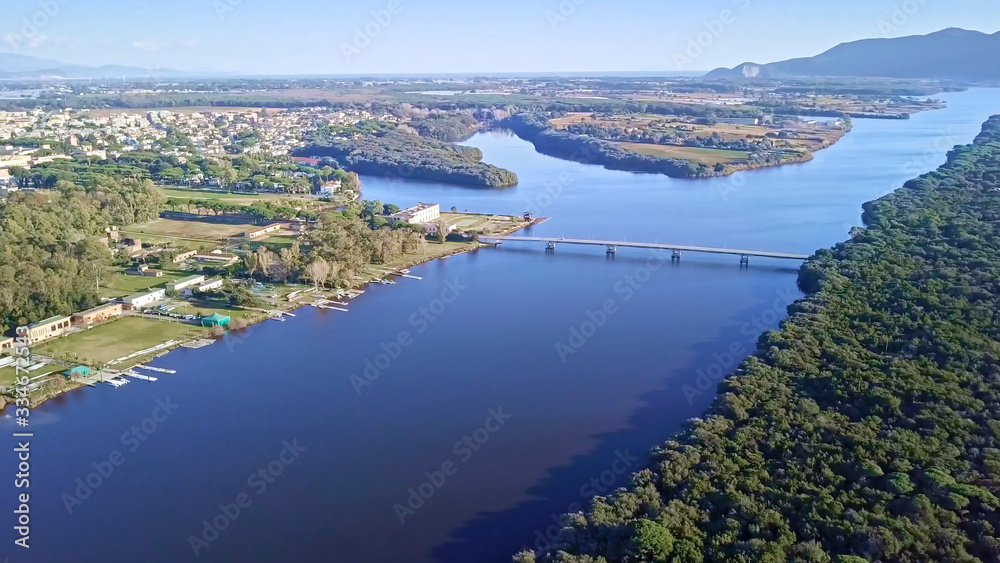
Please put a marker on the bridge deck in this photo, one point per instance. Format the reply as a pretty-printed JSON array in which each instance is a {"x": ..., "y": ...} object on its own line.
[{"x": 656, "y": 245}]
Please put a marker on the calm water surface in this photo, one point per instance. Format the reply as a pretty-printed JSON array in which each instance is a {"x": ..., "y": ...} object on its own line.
[{"x": 483, "y": 330}]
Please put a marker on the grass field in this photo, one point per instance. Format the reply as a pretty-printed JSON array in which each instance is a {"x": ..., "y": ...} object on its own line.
[
  {"x": 234, "y": 198},
  {"x": 193, "y": 230},
  {"x": 115, "y": 339},
  {"x": 491, "y": 224},
  {"x": 122, "y": 284},
  {"x": 8, "y": 375},
  {"x": 279, "y": 241},
  {"x": 709, "y": 157}
]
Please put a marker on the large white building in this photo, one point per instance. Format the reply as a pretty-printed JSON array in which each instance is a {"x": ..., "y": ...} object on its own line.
[
  {"x": 421, "y": 213},
  {"x": 140, "y": 300}
]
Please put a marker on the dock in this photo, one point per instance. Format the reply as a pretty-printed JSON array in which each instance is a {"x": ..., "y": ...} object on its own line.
[{"x": 151, "y": 368}]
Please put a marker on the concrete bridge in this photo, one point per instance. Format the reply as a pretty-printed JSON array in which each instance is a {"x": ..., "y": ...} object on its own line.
[{"x": 678, "y": 249}]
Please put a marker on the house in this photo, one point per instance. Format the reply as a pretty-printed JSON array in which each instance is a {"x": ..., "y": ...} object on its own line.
[
  {"x": 184, "y": 256},
  {"x": 131, "y": 246},
  {"x": 330, "y": 188},
  {"x": 97, "y": 315},
  {"x": 421, "y": 213},
  {"x": 215, "y": 320},
  {"x": 140, "y": 300},
  {"x": 257, "y": 233},
  {"x": 185, "y": 283},
  {"x": 6, "y": 343},
  {"x": 49, "y": 328},
  {"x": 432, "y": 228},
  {"x": 143, "y": 270}
]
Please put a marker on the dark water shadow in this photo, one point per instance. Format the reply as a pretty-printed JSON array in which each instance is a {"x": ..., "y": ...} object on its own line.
[{"x": 497, "y": 536}]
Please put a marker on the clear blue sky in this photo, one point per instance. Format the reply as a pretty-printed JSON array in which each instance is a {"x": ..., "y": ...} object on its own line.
[{"x": 312, "y": 36}]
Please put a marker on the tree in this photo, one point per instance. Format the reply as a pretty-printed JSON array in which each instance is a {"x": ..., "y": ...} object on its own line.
[{"x": 318, "y": 271}]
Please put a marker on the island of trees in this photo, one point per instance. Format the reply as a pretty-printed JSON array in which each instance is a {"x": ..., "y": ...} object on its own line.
[
  {"x": 866, "y": 429},
  {"x": 388, "y": 151}
]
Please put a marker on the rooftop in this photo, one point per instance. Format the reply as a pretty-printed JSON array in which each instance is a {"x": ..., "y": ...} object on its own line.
[{"x": 49, "y": 320}]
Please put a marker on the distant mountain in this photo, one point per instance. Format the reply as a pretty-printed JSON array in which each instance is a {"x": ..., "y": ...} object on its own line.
[
  {"x": 955, "y": 54},
  {"x": 14, "y": 66}
]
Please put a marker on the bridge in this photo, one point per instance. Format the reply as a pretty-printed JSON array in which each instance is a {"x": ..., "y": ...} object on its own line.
[{"x": 677, "y": 249}]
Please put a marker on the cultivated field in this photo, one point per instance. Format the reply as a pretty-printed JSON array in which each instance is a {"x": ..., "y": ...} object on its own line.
[{"x": 709, "y": 157}]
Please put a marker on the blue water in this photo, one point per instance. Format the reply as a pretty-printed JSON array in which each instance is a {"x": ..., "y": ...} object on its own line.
[{"x": 487, "y": 337}]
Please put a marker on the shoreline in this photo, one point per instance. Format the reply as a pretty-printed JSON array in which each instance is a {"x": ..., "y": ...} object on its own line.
[{"x": 72, "y": 385}]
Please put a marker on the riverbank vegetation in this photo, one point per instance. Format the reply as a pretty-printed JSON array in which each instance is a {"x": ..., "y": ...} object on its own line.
[
  {"x": 866, "y": 428},
  {"x": 51, "y": 262},
  {"x": 388, "y": 151},
  {"x": 677, "y": 145}
]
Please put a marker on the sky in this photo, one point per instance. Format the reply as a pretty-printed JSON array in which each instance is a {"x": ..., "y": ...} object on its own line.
[{"x": 462, "y": 36}]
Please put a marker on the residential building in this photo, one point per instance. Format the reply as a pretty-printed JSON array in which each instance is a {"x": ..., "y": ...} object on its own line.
[
  {"x": 330, "y": 188},
  {"x": 185, "y": 283},
  {"x": 49, "y": 328},
  {"x": 140, "y": 300},
  {"x": 97, "y": 315},
  {"x": 421, "y": 213},
  {"x": 144, "y": 270},
  {"x": 6, "y": 343}
]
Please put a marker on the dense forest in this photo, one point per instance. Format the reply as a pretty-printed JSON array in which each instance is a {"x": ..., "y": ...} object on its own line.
[
  {"x": 50, "y": 258},
  {"x": 535, "y": 129},
  {"x": 867, "y": 428},
  {"x": 391, "y": 152},
  {"x": 448, "y": 127}
]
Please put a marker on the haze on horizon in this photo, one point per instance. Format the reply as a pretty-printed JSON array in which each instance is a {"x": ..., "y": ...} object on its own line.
[{"x": 447, "y": 36}]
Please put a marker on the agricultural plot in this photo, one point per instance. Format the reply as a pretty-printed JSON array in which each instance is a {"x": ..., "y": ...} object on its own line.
[{"x": 709, "y": 157}]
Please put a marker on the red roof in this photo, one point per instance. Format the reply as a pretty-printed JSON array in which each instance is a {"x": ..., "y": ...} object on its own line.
[{"x": 304, "y": 160}]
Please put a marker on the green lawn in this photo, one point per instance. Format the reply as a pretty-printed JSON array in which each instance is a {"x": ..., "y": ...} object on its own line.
[
  {"x": 123, "y": 285},
  {"x": 115, "y": 339},
  {"x": 8, "y": 375},
  {"x": 234, "y": 198}
]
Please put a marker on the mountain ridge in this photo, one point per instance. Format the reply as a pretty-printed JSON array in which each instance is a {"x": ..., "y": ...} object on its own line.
[{"x": 949, "y": 54}]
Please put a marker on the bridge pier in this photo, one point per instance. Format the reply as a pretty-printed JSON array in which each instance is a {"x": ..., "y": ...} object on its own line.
[
  {"x": 550, "y": 245},
  {"x": 676, "y": 256},
  {"x": 744, "y": 260},
  {"x": 612, "y": 250}
]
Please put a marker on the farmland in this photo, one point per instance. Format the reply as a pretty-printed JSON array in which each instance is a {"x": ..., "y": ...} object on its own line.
[{"x": 708, "y": 157}]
